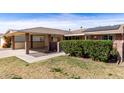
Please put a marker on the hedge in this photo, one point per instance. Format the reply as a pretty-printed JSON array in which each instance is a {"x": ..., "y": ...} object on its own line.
[{"x": 95, "y": 49}]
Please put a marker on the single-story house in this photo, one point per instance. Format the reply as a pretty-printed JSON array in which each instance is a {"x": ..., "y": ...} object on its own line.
[{"x": 48, "y": 38}]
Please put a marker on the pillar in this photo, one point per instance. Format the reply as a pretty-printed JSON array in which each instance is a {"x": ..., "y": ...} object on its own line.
[
  {"x": 27, "y": 43},
  {"x": 85, "y": 37},
  {"x": 58, "y": 47},
  {"x": 31, "y": 41},
  {"x": 49, "y": 40}
]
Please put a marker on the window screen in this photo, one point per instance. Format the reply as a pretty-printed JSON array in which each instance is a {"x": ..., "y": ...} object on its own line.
[
  {"x": 19, "y": 38},
  {"x": 38, "y": 38}
]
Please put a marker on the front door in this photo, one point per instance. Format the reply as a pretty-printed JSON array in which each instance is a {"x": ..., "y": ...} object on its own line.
[{"x": 53, "y": 44}]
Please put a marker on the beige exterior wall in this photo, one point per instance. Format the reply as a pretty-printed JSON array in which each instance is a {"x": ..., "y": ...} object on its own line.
[
  {"x": 20, "y": 42},
  {"x": 38, "y": 45},
  {"x": 19, "y": 45},
  {"x": 42, "y": 44},
  {"x": 118, "y": 37},
  {"x": 46, "y": 42}
]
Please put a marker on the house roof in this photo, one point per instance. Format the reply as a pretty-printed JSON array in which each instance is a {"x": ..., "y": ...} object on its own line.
[
  {"x": 115, "y": 29},
  {"x": 40, "y": 30},
  {"x": 103, "y": 28}
]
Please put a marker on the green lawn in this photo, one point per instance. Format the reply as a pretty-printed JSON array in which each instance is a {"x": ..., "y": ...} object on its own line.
[{"x": 64, "y": 67}]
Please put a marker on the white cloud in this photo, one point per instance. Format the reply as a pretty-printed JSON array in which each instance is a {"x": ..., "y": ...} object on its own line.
[{"x": 63, "y": 21}]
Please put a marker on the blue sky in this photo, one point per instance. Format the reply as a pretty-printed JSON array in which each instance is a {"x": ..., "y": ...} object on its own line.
[{"x": 58, "y": 20}]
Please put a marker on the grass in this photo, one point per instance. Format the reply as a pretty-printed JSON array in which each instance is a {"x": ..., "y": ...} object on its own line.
[{"x": 63, "y": 67}]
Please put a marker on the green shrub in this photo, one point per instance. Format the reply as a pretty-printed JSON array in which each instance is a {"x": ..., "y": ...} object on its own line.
[
  {"x": 95, "y": 49},
  {"x": 72, "y": 47}
]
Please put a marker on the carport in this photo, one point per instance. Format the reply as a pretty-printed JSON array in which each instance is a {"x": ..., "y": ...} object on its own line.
[{"x": 38, "y": 38}]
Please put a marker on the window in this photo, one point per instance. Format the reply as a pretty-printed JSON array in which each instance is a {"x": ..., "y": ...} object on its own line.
[
  {"x": 19, "y": 38},
  {"x": 38, "y": 38},
  {"x": 77, "y": 37},
  {"x": 69, "y": 38},
  {"x": 107, "y": 37},
  {"x": 66, "y": 38},
  {"x": 110, "y": 37}
]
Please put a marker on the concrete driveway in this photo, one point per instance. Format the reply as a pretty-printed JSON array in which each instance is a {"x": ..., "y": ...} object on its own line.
[{"x": 34, "y": 56}]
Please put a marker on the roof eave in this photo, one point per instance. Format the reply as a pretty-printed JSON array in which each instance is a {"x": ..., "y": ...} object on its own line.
[{"x": 74, "y": 34}]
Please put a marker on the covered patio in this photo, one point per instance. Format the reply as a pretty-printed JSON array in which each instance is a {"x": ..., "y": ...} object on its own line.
[{"x": 43, "y": 39}]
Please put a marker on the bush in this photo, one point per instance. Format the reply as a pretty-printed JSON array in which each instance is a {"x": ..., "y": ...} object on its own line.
[
  {"x": 95, "y": 49},
  {"x": 7, "y": 43},
  {"x": 72, "y": 47}
]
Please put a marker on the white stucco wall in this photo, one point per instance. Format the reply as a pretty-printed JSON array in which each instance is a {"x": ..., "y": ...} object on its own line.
[{"x": 2, "y": 41}]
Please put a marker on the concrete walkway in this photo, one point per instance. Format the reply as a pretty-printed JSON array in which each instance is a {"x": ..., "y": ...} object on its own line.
[{"x": 28, "y": 58}]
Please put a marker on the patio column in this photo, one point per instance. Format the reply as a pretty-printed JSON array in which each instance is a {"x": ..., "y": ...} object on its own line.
[
  {"x": 58, "y": 47},
  {"x": 31, "y": 41},
  {"x": 13, "y": 42},
  {"x": 27, "y": 43},
  {"x": 49, "y": 40}
]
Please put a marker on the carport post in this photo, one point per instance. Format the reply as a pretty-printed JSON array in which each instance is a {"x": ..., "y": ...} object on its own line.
[
  {"x": 58, "y": 47},
  {"x": 27, "y": 43}
]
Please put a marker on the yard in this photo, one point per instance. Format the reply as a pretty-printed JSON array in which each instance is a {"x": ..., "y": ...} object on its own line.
[{"x": 63, "y": 67}]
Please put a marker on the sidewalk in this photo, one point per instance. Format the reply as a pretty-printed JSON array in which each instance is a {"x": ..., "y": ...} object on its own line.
[{"x": 28, "y": 58}]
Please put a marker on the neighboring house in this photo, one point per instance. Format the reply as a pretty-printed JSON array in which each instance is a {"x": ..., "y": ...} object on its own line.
[{"x": 48, "y": 38}]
